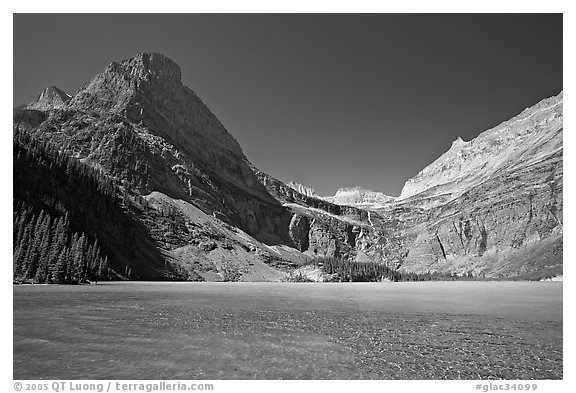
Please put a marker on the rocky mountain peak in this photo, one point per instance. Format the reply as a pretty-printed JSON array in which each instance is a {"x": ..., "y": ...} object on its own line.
[
  {"x": 51, "y": 98},
  {"x": 148, "y": 91},
  {"x": 150, "y": 67},
  {"x": 459, "y": 142},
  {"x": 144, "y": 78}
]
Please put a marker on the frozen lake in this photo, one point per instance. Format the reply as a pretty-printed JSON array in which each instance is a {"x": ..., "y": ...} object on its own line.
[{"x": 424, "y": 330}]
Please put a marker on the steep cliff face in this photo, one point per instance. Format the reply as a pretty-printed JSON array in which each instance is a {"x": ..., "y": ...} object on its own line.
[
  {"x": 510, "y": 225},
  {"x": 147, "y": 90},
  {"x": 322, "y": 228}
]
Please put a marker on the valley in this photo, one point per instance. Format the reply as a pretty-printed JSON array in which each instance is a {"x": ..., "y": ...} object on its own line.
[{"x": 489, "y": 208}]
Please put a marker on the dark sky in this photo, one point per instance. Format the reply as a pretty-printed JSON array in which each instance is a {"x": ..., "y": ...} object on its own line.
[{"x": 328, "y": 100}]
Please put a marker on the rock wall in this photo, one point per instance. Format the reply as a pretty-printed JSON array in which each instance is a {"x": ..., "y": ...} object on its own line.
[
  {"x": 476, "y": 232},
  {"x": 302, "y": 189}
]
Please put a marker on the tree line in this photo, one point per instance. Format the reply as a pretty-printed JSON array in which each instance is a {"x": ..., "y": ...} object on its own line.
[
  {"x": 46, "y": 250},
  {"x": 345, "y": 270}
]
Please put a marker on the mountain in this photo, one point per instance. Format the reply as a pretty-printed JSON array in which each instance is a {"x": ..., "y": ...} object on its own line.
[
  {"x": 137, "y": 165},
  {"x": 137, "y": 124},
  {"x": 181, "y": 148},
  {"x": 360, "y": 197},
  {"x": 51, "y": 98},
  {"x": 531, "y": 137},
  {"x": 490, "y": 207},
  {"x": 494, "y": 204}
]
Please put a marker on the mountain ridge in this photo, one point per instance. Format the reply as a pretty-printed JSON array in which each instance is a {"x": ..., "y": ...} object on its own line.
[
  {"x": 477, "y": 154},
  {"x": 137, "y": 124}
]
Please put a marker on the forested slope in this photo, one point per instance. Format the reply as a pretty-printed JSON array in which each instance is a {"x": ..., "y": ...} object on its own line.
[{"x": 74, "y": 223}]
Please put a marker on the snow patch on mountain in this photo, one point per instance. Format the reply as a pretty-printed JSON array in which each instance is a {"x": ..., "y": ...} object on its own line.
[{"x": 360, "y": 197}]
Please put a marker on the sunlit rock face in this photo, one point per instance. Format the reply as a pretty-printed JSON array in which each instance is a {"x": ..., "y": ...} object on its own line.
[
  {"x": 51, "y": 98},
  {"x": 302, "y": 189},
  {"x": 494, "y": 204},
  {"x": 526, "y": 139}
]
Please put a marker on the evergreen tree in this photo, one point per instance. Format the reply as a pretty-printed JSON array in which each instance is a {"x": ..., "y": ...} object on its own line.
[{"x": 60, "y": 270}]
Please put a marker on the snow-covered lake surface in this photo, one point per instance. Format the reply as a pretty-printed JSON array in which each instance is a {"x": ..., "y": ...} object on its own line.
[{"x": 430, "y": 330}]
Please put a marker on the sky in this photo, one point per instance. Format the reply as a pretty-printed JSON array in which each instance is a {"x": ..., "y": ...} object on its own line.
[{"x": 326, "y": 100}]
